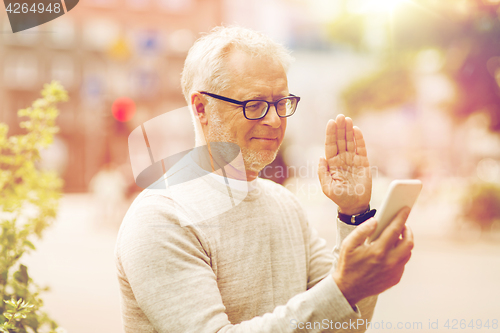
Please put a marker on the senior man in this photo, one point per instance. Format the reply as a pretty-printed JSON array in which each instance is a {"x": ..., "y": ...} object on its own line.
[{"x": 187, "y": 265}]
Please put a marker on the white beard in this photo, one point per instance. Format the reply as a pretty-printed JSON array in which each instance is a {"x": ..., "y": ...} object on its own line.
[{"x": 255, "y": 160}]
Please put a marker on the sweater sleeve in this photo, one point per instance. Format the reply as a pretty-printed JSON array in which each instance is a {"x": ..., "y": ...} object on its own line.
[
  {"x": 168, "y": 268},
  {"x": 323, "y": 262}
]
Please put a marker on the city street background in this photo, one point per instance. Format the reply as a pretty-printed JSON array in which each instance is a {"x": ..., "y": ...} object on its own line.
[{"x": 420, "y": 78}]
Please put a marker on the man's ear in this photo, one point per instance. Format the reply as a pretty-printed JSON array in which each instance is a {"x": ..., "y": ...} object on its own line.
[{"x": 198, "y": 103}]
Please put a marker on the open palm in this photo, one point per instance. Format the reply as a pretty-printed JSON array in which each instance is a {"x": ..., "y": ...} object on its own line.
[{"x": 345, "y": 173}]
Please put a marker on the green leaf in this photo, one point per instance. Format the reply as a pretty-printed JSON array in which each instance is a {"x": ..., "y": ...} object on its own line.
[
  {"x": 32, "y": 321},
  {"x": 11, "y": 240},
  {"x": 4, "y": 276},
  {"x": 29, "y": 244},
  {"x": 18, "y": 316},
  {"x": 24, "y": 274},
  {"x": 11, "y": 304}
]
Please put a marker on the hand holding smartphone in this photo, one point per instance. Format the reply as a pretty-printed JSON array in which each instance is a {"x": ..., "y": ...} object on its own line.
[{"x": 401, "y": 193}]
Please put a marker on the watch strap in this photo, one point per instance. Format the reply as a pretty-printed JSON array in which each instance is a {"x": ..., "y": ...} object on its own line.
[{"x": 358, "y": 218}]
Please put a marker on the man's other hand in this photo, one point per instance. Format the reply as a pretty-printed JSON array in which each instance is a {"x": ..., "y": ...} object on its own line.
[
  {"x": 365, "y": 269},
  {"x": 345, "y": 173}
]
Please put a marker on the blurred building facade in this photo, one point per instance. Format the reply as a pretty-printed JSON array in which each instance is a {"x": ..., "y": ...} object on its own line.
[{"x": 102, "y": 50}]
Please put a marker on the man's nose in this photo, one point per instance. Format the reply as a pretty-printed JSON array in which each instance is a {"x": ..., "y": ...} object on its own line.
[{"x": 272, "y": 119}]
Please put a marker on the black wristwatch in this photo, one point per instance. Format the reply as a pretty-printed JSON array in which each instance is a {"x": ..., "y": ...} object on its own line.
[{"x": 356, "y": 219}]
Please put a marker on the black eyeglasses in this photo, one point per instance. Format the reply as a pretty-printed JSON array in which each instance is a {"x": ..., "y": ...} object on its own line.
[{"x": 257, "y": 109}]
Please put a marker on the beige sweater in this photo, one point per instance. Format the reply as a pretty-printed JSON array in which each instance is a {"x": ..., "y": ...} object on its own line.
[{"x": 200, "y": 256}]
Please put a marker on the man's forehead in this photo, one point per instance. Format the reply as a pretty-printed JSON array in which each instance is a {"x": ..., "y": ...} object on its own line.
[
  {"x": 242, "y": 63},
  {"x": 254, "y": 76},
  {"x": 255, "y": 93}
]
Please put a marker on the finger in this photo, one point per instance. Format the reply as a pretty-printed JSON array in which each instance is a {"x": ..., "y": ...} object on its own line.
[
  {"x": 349, "y": 135},
  {"x": 361, "y": 233},
  {"x": 360, "y": 141},
  {"x": 341, "y": 133},
  {"x": 407, "y": 258},
  {"x": 390, "y": 235},
  {"x": 323, "y": 171},
  {"x": 331, "y": 139},
  {"x": 405, "y": 244},
  {"x": 400, "y": 257}
]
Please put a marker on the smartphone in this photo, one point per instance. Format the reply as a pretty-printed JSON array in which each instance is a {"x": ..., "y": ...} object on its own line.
[{"x": 401, "y": 193}]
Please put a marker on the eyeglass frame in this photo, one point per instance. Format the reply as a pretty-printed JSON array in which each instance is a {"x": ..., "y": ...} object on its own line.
[{"x": 243, "y": 103}]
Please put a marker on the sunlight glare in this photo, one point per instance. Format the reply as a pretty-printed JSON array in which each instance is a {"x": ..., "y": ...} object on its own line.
[{"x": 374, "y": 6}]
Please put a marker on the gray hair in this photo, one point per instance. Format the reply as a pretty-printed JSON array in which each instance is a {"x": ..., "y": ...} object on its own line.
[{"x": 204, "y": 68}]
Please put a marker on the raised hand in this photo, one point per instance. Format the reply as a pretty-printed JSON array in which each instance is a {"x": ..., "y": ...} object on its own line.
[{"x": 345, "y": 173}]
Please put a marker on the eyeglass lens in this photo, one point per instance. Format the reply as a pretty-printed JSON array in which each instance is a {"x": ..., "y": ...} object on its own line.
[{"x": 257, "y": 109}]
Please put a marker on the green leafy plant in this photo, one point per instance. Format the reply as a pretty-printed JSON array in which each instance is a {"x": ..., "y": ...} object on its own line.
[
  {"x": 15, "y": 311},
  {"x": 481, "y": 204},
  {"x": 28, "y": 205}
]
